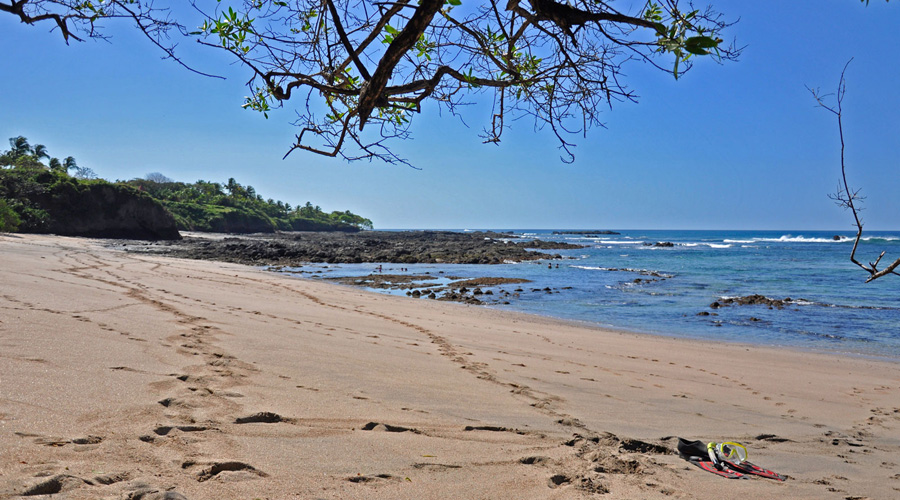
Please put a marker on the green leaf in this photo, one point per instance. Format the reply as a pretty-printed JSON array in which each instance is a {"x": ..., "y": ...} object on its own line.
[
  {"x": 661, "y": 29},
  {"x": 454, "y": 2},
  {"x": 703, "y": 42},
  {"x": 698, "y": 45}
]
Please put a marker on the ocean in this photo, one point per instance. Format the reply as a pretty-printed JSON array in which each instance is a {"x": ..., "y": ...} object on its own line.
[{"x": 628, "y": 282}]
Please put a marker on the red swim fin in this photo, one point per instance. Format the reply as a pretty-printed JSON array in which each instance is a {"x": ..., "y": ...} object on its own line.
[
  {"x": 711, "y": 467},
  {"x": 749, "y": 468}
]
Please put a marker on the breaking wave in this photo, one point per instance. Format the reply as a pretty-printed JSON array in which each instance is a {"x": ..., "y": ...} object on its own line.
[{"x": 804, "y": 239}]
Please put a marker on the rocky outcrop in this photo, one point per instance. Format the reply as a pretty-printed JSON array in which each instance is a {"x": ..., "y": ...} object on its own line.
[
  {"x": 587, "y": 233},
  {"x": 408, "y": 247},
  {"x": 104, "y": 210},
  {"x": 53, "y": 202},
  {"x": 753, "y": 300},
  {"x": 549, "y": 245}
]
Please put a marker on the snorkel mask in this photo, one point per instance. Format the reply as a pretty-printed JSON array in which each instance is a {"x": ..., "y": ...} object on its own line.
[{"x": 728, "y": 451}]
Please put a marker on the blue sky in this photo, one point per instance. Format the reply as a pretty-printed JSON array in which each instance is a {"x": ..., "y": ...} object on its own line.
[{"x": 734, "y": 146}]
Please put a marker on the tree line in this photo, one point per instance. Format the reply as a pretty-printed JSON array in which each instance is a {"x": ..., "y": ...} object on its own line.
[
  {"x": 182, "y": 199},
  {"x": 34, "y": 185}
]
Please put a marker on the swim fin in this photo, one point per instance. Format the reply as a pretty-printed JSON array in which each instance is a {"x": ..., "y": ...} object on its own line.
[
  {"x": 709, "y": 466},
  {"x": 750, "y": 468}
]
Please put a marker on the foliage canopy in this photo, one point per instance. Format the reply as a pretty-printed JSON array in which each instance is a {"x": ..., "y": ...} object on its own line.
[
  {"x": 232, "y": 207},
  {"x": 359, "y": 70}
]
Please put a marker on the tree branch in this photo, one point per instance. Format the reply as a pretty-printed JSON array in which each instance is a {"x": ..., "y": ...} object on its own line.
[
  {"x": 845, "y": 196},
  {"x": 370, "y": 94},
  {"x": 18, "y": 9}
]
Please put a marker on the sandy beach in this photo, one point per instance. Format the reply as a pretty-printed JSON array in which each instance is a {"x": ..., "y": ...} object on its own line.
[{"x": 126, "y": 376}]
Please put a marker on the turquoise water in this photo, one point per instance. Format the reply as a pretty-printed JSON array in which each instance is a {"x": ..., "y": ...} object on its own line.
[{"x": 833, "y": 309}]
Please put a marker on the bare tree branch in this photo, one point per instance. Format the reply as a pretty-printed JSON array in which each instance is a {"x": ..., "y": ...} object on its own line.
[
  {"x": 77, "y": 20},
  {"x": 845, "y": 197}
]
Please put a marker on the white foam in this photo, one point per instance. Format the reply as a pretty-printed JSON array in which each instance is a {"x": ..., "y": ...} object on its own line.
[
  {"x": 802, "y": 239},
  {"x": 788, "y": 238},
  {"x": 645, "y": 272}
]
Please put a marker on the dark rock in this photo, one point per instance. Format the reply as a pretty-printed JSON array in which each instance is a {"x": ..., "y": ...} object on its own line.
[
  {"x": 432, "y": 247},
  {"x": 587, "y": 233},
  {"x": 490, "y": 281},
  {"x": 754, "y": 300},
  {"x": 548, "y": 245}
]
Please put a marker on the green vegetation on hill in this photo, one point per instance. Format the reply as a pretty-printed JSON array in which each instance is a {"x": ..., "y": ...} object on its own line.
[
  {"x": 44, "y": 198},
  {"x": 9, "y": 219},
  {"x": 37, "y": 199},
  {"x": 234, "y": 208}
]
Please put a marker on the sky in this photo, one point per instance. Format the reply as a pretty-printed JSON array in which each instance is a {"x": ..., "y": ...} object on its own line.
[{"x": 734, "y": 146}]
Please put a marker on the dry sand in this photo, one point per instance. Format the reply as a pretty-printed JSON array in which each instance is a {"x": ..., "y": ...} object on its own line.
[{"x": 141, "y": 377}]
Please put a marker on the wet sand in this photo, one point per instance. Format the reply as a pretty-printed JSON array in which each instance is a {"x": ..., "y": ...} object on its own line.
[{"x": 146, "y": 377}]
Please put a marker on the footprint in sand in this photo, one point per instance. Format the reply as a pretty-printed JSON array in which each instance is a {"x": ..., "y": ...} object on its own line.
[
  {"x": 368, "y": 479},
  {"x": 240, "y": 470},
  {"x": 56, "y": 484},
  {"x": 375, "y": 426},
  {"x": 265, "y": 417},
  {"x": 164, "y": 430}
]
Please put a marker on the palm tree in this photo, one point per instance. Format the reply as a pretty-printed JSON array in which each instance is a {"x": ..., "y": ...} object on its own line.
[
  {"x": 69, "y": 164},
  {"x": 55, "y": 165},
  {"x": 19, "y": 147},
  {"x": 39, "y": 151}
]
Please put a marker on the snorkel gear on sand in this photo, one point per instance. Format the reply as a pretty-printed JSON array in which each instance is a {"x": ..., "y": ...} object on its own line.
[{"x": 727, "y": 459}]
